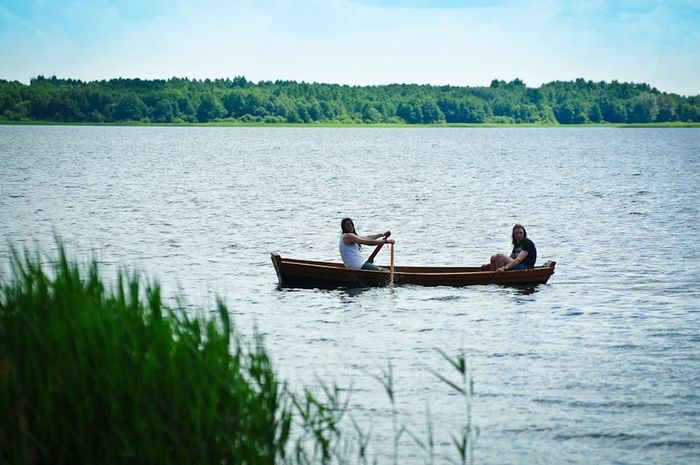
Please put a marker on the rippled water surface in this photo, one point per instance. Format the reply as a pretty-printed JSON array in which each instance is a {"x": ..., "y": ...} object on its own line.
[{"x": 600, "y": 365}]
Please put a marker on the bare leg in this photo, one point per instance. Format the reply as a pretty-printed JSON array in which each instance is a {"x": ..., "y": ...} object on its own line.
[{"x": 498, "y": 261}]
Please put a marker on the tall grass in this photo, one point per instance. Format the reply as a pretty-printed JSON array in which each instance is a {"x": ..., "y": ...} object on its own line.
[{"x": 91, "y": 373}]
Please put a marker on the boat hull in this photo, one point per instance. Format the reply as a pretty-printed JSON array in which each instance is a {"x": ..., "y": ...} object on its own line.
[{"x": 307, "y": 273}]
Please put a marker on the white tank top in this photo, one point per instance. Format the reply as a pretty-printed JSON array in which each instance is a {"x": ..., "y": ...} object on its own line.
[{"x": 350, "y": 254}]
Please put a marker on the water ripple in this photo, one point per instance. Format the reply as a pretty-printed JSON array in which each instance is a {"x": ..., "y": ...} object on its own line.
[{"x": 598, "y": 366}]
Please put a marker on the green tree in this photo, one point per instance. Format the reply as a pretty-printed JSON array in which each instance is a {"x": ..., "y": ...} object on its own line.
[
  {"x": 187, "y": 109},
  {"x": 578, "y": 101},
  {"x": 667, "y": 109},
  {"x": 130, "y": 108},
  {"x": 210, "y": 109},
  {"x": 329, "y": 110},
  {"x": 503, "y": 106},
  {"x": 234, "y": 103},
  {"x": 594, "y": 113},
  {"x": 472, "y": 110},
  {"x": 371, "y": 114},
  {"x": 314, "y": 109},
  {"x": 644, "y": 109},
  {"x": 432, "y": 113},
  {"x": 293, "y": 116},
  {"x": 410, "y": 112},
  {"x": 688, "y": 112},
  {"x": 526, "y": 113},
  {"x": 613, "y": 111},
  {"x": 570, "y": 113},
  {"x": 164, "y": 112}
]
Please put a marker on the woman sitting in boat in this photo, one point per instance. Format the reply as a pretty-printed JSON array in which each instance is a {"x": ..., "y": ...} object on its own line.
[
  {"x": 350, "y": 245},
  {"x": 523, "y": 256}
]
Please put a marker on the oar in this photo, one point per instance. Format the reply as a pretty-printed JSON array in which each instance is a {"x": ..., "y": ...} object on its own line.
[
  {"x": 391, "y": 267},
  {"x": 376, "y": 250}
]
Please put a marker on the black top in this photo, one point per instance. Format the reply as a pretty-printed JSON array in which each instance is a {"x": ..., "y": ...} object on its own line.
[{"x": 529, "y": 246}]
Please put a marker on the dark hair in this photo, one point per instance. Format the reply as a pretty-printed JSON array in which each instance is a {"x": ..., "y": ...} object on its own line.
[
  {"x": 518, "y": 226},
  {"x": 347, "y": 230}
]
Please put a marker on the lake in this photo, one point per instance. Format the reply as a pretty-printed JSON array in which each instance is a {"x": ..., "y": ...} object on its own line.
[{"x": 600, "y": 365}]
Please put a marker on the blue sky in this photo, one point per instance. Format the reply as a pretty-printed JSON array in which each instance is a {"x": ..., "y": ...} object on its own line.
[{"x": 361, "y": 42}]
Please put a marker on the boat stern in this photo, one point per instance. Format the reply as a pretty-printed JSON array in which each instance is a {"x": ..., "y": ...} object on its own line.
[{"x": 277, "y": 262}]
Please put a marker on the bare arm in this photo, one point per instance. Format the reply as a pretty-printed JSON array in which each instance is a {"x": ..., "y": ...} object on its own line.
[
  {"x": 379, "y": 236},
  {"x": 519, "y": 259},
  {"x": 350, "y": 238}
]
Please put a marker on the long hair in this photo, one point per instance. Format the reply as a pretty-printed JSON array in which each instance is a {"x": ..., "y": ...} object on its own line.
[
  {"x": 347, "y": 226},
  {"x": 518, "y": 226}
]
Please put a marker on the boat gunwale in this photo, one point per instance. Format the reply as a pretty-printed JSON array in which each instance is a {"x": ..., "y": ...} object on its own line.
[{"x": 407, "y": 270}]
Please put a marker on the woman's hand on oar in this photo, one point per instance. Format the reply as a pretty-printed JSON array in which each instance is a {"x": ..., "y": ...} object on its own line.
[{"x": 376, "y": 250}]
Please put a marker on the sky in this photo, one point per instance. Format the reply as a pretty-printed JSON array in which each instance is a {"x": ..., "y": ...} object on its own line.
[{"x": 356, "y": 42}]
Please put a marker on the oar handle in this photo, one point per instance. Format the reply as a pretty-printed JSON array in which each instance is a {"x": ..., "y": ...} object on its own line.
[
  {"x": 391, "y": 267},
  {"x": 376, "y": 250}
]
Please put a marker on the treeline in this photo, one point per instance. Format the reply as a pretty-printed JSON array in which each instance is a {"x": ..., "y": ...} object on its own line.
[{"x": 181, "y": 100}]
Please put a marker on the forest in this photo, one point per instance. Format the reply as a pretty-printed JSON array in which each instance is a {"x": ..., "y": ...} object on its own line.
[{"x": 238, "y": 100}]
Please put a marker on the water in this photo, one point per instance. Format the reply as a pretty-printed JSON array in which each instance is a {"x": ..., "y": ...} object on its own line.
[{"x": 599, "y": 366}]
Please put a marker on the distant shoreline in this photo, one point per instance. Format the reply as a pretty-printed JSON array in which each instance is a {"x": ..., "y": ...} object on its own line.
[
  {"x": 358, "y": 125},
  {"x": 239, "y": 102}
]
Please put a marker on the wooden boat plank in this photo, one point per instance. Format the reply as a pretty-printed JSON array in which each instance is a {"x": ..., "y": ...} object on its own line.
[
  {"x": 407, "y": 269},
  {"x": 312, "y": 273}
]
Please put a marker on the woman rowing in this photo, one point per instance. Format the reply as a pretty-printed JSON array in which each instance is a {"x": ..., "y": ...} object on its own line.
[
  {"x": 522, "y": 257},
  {"x": 350, "y": 245}
]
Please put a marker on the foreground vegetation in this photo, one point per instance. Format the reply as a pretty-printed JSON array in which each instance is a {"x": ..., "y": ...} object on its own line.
[
  {"x": 93, "y": 374},
  {"x": 238, "y": 100}
]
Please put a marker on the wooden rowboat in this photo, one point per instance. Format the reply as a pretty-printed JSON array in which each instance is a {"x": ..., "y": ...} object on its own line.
[{"x": 292, "y": 272}]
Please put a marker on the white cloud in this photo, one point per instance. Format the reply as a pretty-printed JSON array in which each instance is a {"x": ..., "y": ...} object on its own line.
[{"x": 349, "y": 42}]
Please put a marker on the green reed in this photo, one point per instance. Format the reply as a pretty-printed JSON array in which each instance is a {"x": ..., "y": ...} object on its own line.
[{"x": 93, "y": 373}]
